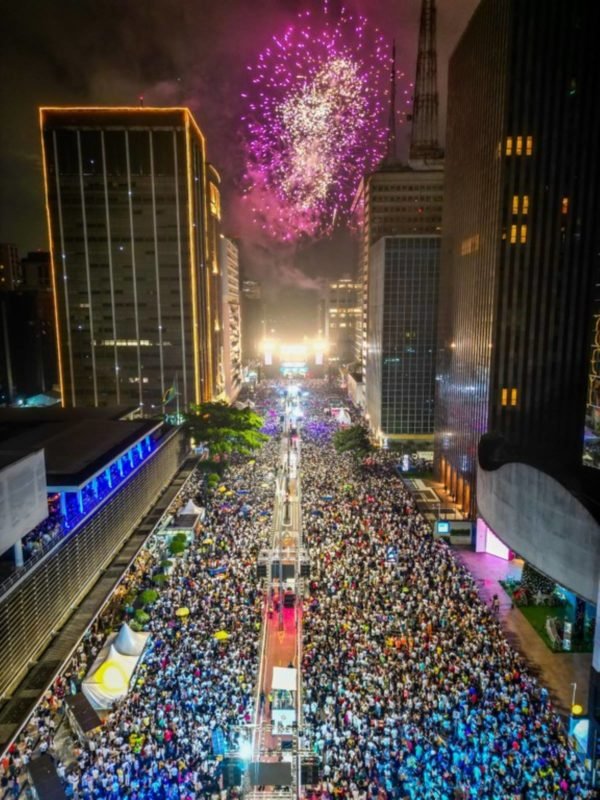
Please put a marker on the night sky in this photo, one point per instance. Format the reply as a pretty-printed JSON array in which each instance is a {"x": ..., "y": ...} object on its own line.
[{"x": 190, "y": 52}]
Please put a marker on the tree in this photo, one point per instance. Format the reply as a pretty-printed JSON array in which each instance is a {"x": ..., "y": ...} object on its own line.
[
  {"x": 225, "y": 429},
  {"x": 354, "y": 439}
]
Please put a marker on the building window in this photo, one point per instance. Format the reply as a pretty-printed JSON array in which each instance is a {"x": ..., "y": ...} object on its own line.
[
  {"x": 525, "y": 204},
  {"x": 514, "y": 395},
  {"x": 215, "y": 201},
  {"x": 513, "y": 234},
  {"x": 529, "y": 145},
  {"x": 523, "y": 234},
  {"x": 564, "y": 206},
  {"x": 519, "y": 146},
  {"x": 515, "y": 204},
  {"x": 509, "y": 145},
  {"x": 504, "y": 397}
]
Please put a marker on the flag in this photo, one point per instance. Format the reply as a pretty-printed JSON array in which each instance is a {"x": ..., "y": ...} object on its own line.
[{"x": 169, "y": 395}]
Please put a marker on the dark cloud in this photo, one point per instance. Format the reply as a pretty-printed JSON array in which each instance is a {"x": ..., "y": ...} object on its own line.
[{"x": 192, "y": 52}]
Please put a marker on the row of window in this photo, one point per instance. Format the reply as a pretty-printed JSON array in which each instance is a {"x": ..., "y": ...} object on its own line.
[
  {"x": 519, "y": 145},
  {"x": 509, "y": 396}
]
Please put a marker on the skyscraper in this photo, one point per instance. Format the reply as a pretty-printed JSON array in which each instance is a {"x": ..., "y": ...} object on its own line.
[
  {"x": 519, "y": 270},
  {"x": 133, "y": 211},
  {"x": 403, "y": 201},
  {"x": 520, "y": 241},
  {"x": 254, "y": 328},
  {"x": 232, "y": 323},
  {"x": 342, "y": 313},
  {"x": 401, "y": 338},
  {"x": 10, "y": 267}
]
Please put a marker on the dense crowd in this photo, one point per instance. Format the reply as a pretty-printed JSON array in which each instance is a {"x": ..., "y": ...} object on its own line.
[
  {"x": 411, "y": 691},
  {"x": 192, "y": 693},
  {"x": 410, "y": 688}
]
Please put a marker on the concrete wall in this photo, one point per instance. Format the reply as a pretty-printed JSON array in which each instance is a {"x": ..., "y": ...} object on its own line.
[{"x": 544, "y": 523}]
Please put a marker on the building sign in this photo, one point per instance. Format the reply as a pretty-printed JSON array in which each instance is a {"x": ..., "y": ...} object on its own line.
[{"x": 23, "y": 498}]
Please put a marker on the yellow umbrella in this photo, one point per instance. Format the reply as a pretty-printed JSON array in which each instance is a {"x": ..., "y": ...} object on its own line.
[
  {"x": 229, "y": 493},
  {"x": 222, "y": 636},
  {"x": 182, "y": 612},
  {"x": 208, "y": 541},
  {"x": 222, "y": 489}
]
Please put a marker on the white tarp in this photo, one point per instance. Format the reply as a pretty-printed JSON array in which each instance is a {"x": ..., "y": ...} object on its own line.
[
  {"x": 284, "y": 678},
  {"x": 108, "y": 679},
  {"x": 130, "y": 643},
  {"x": 190, "y": 508}
]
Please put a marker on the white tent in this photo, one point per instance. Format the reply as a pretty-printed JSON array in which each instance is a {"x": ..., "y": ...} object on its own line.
[
  {"x": 108, "y": 680},
  {"x": 190, "y": 508},
  {"x": 130, "y": 643}
]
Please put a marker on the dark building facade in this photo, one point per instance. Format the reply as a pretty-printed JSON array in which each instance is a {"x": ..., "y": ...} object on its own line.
[
  {"x": 396, "y": 200},
  {"x": 342, "y": 314},
  {"x": 10, "y": 267},
  {"x": 253, "y": 319},
  {"x": 520, "y": 247},
  {"x": 133, "y": 213},
  {"x": 401, "y": 340}
]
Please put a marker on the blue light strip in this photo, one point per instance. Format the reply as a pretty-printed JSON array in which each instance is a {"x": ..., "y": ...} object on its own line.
[
  {"x": 100, "y": 488},
  {"x": 74, "y": 508}
]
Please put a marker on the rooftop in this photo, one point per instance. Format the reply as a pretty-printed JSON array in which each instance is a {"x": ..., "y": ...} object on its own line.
[{"x": 78, "y": 443}]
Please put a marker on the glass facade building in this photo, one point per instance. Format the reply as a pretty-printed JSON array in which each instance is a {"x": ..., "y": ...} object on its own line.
[
  {"x": 401, "y": 341},
  {"x": 520, "y": 244},
  {"x": 232, "y": 321},
  {"x": 133, "y": 212},
  {"x": 395, "y": 200},
  {"x": 342, "y": 312}
]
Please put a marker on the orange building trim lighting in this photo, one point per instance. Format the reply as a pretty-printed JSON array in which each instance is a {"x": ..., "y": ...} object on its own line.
[
  {"x": 193, "y": 266},
  {"x": 52, "y": 265}
]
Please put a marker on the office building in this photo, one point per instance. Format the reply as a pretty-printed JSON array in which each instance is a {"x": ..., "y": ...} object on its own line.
[
  {"x": 35, "y": 271},
  {"x": 396, "y": 200},
  {"x": 231, "y": 313},
  {"x": 342, "y": 314},
  {"x": 520, "y": 246},
  {"x": 400, "y": 376},
  {"x": 10, "y": 267},
  {"x": 519, "y": 270},
  {"x": 253, "y": 320},
  {"x": 133, "y": 210},
  {"x": 402, "y": 201}
]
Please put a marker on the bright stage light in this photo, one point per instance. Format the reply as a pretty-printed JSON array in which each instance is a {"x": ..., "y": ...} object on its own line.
[
  {"x": 246, "y": 750},
  {"x": 113, "y": 677}
]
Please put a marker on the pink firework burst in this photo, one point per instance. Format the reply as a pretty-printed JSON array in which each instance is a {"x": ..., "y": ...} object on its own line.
[{"x": 315, "y": 122}]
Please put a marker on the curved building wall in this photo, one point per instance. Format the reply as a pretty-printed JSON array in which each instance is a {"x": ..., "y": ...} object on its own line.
[
  {"x": 37, "y": 605},
  {"x": 544, "y": 523}
]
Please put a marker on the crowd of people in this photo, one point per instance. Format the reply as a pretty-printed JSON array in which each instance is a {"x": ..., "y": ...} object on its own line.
[
  {"x": 410, "y": 687},
  {"x": 410, "y": 690},
  {"x": 193, "y": 693}
]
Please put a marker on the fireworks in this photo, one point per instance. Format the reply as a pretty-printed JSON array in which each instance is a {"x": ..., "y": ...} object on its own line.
[{"x": 316, "y": 122}]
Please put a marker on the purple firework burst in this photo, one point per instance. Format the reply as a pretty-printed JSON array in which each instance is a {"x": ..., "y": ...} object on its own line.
[{"x": 316, "y": 122}]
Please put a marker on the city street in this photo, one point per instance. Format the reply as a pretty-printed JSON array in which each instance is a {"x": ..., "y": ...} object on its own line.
[{"x": 383, "y": 665}]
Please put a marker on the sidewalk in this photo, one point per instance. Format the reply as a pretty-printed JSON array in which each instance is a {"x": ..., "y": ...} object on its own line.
[{"x": 557, "y": 671}]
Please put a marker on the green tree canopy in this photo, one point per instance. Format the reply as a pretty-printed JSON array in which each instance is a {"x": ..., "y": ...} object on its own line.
[
  {"x": 354, "y": 439},
  {"x": 225, "y": 429}
]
